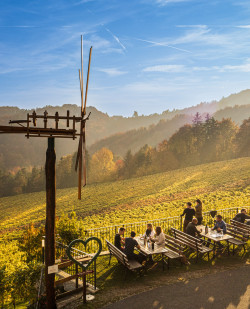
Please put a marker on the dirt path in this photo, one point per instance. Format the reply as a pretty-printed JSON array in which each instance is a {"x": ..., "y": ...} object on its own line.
[{"x": 228, "y": 289}]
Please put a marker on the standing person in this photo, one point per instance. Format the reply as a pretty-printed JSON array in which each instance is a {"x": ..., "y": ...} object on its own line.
[
  {"x": 242, "y": 216},
  {"x": 119, "y": 239},
  {"x": 198, "y": 211},
  {"x": 189, "y": 212},
  {"x": 130, "y": 244},
  {"x": 149, "y": 231}
]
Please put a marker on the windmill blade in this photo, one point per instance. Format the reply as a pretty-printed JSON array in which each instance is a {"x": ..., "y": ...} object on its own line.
[
  {"x": 80, "y": 169},
  {"x": 81, "y": 89},
  {"x": 84, "y": 156},
  {"x": 87, "y": 83},
  {"x": 81, "y": 79},
  {"x": 78, "y": 153}
]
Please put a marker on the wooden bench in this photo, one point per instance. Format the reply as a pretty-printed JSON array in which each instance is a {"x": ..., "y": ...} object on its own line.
[
  {"x": 193, "y": 243},
  {"x": 241, "y": 226},
  {"x": 175, "y": 249},
  {"x": 240, "y": 237},
  {"x": 130, "y": 265}
]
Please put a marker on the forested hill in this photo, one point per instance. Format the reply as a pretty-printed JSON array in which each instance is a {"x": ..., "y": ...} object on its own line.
[
  {"x": 120, "y": 143},
  {"x": 17, "y": 151},
  {"x": 154, "y": 134}
]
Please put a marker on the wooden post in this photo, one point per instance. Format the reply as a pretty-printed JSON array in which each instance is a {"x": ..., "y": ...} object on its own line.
[
  {"x": 50, "y": 170},
  {"x": 84, "y": 287}
]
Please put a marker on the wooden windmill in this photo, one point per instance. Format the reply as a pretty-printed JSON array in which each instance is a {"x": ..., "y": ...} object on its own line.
[
  {"x": 81, "y": 153},
  {"x": 29, "y": 127}
]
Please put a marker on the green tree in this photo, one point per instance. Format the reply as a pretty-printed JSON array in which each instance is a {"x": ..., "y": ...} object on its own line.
[{"x": 242, "y": 139}]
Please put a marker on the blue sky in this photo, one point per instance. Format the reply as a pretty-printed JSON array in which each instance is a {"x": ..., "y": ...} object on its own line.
[{"x": 148, "y": 55}]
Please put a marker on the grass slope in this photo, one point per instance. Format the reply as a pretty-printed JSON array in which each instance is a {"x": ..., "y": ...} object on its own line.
[{"x": 218, "y": 185}]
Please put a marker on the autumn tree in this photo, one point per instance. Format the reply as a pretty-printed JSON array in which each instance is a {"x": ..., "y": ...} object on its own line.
[
  {"x": 102, "y": 165},
  {"x": 243, "y": 139}
]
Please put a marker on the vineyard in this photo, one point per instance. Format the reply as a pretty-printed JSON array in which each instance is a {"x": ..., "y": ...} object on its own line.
[{"x": 219, "y": 185}]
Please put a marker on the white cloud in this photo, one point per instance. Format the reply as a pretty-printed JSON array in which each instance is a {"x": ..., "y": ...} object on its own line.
[
  {"x": 202, "y": 35},
  {"x": 238, "y": 68},
  {"x": 168, "y": 68},
  {"x": 112, "y": 71},
  {"x": 245, "y": 67},
  {"x": 177, "y": 68},
  {"x": 192, "y": 26},
  {"x": 165, "y": 2},
  {"x": 244, "y": 27}
]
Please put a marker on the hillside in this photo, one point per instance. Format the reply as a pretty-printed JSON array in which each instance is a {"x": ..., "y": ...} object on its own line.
[
  {"x": 219, "y": 185},
  {"x": 17, "y": 151},
  {"x": 133, "y": 140},
  {"x": 241, "y": 98}
]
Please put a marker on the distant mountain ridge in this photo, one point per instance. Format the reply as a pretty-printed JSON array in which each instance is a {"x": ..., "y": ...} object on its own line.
[{"x": 111, "y": 131}]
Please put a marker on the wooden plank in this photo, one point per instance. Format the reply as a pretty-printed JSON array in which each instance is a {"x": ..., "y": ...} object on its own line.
[{"x": 35, "y": 130}]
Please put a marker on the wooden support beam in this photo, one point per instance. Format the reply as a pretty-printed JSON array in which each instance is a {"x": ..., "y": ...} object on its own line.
[{"x": 50, "y": 170}]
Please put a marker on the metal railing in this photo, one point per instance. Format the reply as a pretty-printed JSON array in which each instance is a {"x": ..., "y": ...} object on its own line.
[
  {"x": 109, "y": 232},
  {"x": 74, "y": 268}
]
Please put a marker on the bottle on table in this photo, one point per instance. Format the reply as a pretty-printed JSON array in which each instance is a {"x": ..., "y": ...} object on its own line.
[
  {"x": 153, "y": 245},
  {"x": 148, "y": 244},
  {"x": 206, "y": 229}
]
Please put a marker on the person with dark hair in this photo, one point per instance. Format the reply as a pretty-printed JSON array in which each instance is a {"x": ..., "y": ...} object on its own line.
[
  {"x": 242, "y": 216},
  {"x": 220, "y": 225},
  {"x": 119, "y": 239},
  {"x": 159, "y": 238},
  {"x": 189, "y": 212},
  {"x": 192, "y": 229},
  {"x": 149, "y": 231},
  {"x": 130, "y": 244},
  {"x": 198, "y": 211}
]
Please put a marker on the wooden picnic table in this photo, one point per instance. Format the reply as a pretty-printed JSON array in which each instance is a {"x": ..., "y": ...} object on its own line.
[
  {"x": 214, "y": 236},
  {"x": 148, "y": 251}
]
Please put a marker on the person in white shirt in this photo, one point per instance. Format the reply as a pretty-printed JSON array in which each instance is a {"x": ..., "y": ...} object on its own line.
[
  {"x": 149, "y": 231},
  {"x": 159, "y": 238}
]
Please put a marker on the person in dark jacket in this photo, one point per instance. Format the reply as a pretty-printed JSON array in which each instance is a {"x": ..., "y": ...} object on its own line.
[
  {"x": 119, "y": 239},
  {"x": 192, "y": 229},
  {"x": 189, "y": 212},
  {"x": 130, "y": 244},
  {"x": 242, "y": 216}
]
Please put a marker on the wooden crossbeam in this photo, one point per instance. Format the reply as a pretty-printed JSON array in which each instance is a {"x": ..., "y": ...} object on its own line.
[{"x": 32, "y": 130}]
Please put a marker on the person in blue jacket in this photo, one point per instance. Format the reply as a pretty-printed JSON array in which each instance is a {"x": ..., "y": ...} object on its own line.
[{"x": 220, "y": 225}]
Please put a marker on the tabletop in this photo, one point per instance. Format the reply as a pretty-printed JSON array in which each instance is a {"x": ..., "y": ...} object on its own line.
[
  {"x": 213, "y": 235},
  {"x": 148, "y": 250}
]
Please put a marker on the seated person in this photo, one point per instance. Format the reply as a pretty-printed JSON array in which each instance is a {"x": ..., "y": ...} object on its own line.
[
  {"x": 130, "y": 244},
  {"x": 149, "y": 231},
  {"x": 119, "y": 239},
  {"x": 220, "y": 225},
  {"x": 192, "y": 229},
  {"x": 242, "y": 216},
  {"x": 159, "y": 238}
]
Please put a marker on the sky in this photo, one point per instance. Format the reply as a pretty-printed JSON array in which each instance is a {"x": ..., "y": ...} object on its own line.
[{"x": 148, "y": 55}]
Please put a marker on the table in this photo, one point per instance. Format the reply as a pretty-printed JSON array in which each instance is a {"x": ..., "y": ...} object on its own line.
[
  {"x": 214, "y": 236},
  {"x": 148, "y": 251}
]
